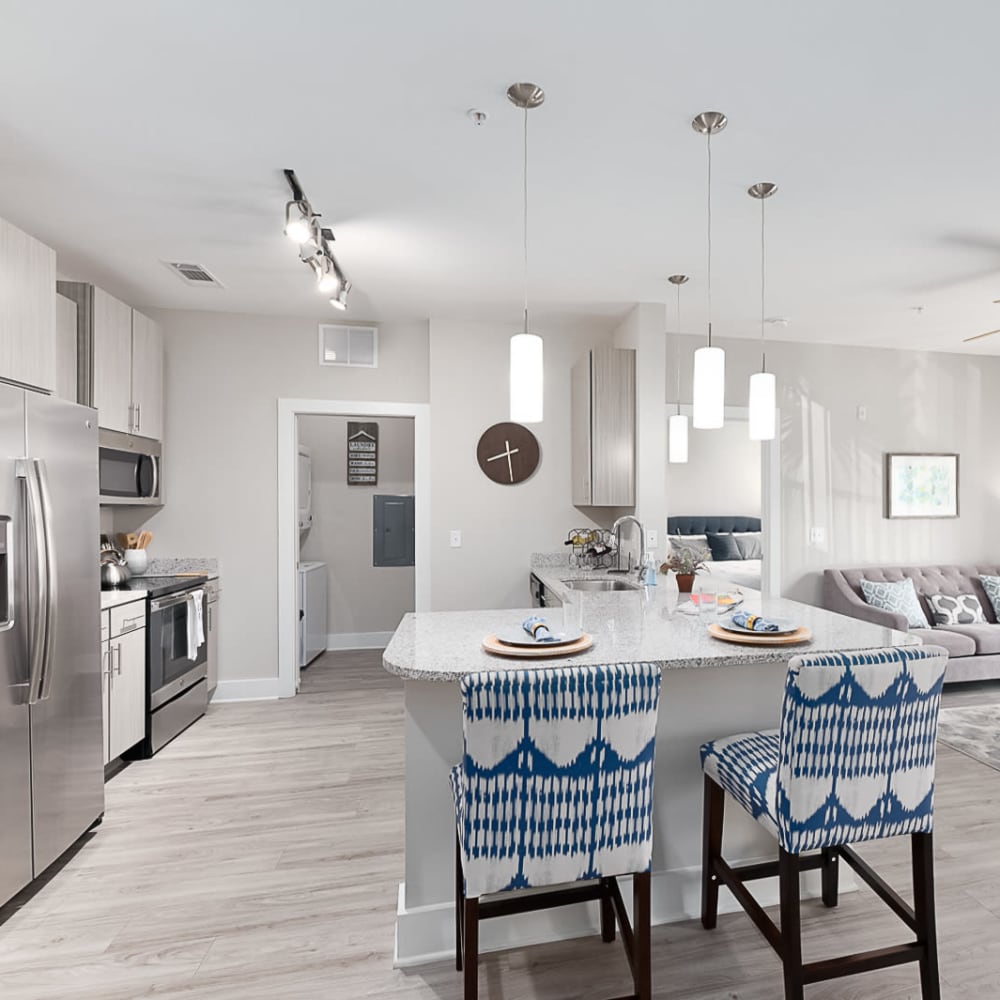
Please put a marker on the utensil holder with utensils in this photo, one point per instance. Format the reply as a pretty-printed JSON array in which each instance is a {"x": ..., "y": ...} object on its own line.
[{"x": 134, "y": 547}]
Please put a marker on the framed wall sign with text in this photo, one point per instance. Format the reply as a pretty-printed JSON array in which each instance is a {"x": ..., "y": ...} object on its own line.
[{"x": 362, "y": 454}]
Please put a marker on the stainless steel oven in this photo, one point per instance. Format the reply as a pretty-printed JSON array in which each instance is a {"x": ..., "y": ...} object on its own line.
[
  {"x": 128, "y": 469},
  {"x": 178, "y": 663}
]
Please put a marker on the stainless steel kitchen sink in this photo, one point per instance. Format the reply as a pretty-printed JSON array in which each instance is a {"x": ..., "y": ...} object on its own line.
[{"x": 600, "y": 585}]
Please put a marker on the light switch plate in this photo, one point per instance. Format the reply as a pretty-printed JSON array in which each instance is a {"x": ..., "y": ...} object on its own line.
[
  {"x": 817, "y": 536},
  {"x": 652, "y": 538},
  {"x": 455, "y": 538}
]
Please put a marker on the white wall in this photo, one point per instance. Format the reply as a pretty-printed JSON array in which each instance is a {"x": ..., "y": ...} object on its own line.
[
  {"x": 721, "y": 476},
  {"x": 224, "y": 375},
  {"x": 501, "y": 525},
  {"x": 363, "y": 598},
  {"x": 832, "y": 462}
]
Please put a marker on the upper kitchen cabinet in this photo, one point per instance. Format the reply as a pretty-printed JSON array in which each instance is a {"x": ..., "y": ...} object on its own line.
[
  {"x": 603, "y": 426},
  {"x": 112, "y": 362},
  {"x": 147, "y": 377},
  {"x": 121, "y": 362},
  {"x": 27, "y": 309}
]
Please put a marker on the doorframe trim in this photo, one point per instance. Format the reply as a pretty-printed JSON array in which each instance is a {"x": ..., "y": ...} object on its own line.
[{"x": 288, "y": 411}]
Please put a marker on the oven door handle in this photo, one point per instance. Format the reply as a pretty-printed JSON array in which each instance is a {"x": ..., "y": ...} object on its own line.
[{"x": 171, "y": 600}]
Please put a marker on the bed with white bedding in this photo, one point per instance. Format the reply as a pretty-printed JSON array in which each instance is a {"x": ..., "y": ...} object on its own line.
[{"x": 731, "y": 546}]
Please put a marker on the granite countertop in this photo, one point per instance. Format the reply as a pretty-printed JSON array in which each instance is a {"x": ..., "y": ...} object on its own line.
[{"x": 645, "y": 624}]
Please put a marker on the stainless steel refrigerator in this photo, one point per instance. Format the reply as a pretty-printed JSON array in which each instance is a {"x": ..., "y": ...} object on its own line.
[{"x": 51, "y": 757}]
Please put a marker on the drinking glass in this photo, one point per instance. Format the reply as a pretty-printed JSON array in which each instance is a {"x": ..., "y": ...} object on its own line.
[{"x": 708, "y": 603}]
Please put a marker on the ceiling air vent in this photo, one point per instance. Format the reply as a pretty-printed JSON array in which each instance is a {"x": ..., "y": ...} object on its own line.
[
  {"x": 194, "y": 274},
  {"x": 348, "y": 346}
]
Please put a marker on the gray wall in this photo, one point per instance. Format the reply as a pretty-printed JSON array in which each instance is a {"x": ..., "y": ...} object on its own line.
[
  {"x": 224, "y": 375},
  {"x": 501, "y": 525},
  {"x": 721, "y": 476},
  {"x": 832, "y": 462},
  {"x": 363, "y": 597}
]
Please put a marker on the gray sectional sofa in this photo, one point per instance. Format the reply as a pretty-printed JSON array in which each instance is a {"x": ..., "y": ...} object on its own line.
[{"x": 974, "y": 650}]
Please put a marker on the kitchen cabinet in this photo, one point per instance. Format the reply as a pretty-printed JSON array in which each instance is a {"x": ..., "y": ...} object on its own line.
[
  {"x": 121, "y": 362},
  {"x": 66, "y": 347},
  {"x": 602, "y": 392},
  {"x": 27, "y": 309},
  {"x": 123, "y": 677},
  {"x": 212, "y": 593}
]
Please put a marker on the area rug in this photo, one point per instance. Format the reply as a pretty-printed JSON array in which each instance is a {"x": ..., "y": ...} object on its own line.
[{"x": 974, "y": 731}]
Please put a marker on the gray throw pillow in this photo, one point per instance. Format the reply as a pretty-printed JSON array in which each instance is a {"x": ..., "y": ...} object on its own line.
[
  {"x": 750, "y": 544},
  {"x": 899, "y": 596},
  {"x": 697, "y": 544},
  {"x": 963, "y": 609}
]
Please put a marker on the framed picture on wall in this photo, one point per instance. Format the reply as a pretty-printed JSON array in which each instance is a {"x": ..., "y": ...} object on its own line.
[{"x": 921, "y": 485}]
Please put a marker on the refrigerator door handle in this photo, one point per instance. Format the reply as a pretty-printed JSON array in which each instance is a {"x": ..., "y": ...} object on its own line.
[
  {"x": 10, "y": 555},
  {"x": 45, "y": 495},
  {"x": 40, "y": 604}
]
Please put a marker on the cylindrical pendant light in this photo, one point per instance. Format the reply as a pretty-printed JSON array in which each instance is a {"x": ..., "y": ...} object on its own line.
[
  {"x": 709, "y": 362},
  {"x": 763, "y": 390},
  {"x": 677, "y": 424},
  {"x": 527, "y": 370}
]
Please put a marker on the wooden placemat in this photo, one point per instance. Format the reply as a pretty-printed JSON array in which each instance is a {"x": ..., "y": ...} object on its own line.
[
  {"x": 761, "y": 638},
  {"x": 493, "y": 645}
]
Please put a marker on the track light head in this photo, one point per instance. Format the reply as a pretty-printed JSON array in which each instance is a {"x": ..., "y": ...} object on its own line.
[
  {"x": 339, "y": 301},
  {"x": 298, "y": 221},
  {"x": 328, "y": 280}
]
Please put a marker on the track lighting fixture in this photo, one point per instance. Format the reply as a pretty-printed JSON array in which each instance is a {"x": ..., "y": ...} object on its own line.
[{"x": 302, "y": 225}]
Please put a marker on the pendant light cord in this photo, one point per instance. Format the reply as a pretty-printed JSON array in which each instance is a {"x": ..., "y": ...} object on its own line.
[
  {"x": 525, "y": 220},
  {"x": 763, "y": 271},
  {"x": 709, "y": 237},
  {"x": 677, "y": 336}
]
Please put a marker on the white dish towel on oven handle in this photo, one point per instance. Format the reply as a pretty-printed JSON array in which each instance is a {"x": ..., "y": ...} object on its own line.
[{"x": 195, "y": 623}]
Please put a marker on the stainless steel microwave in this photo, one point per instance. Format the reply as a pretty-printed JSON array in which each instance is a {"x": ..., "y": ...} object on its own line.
[{"x": 128, "y": 469}]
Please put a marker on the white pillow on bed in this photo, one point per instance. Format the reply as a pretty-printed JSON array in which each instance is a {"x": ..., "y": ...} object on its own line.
[{"x": 695, "y": 543}]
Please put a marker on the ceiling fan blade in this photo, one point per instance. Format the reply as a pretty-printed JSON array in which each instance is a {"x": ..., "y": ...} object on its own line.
[{"x": 979, "y": 336}]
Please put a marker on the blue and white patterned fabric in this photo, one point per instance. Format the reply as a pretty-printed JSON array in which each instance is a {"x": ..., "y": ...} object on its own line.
[
  {"x": 854, "y": 757},
  {"x": 556, "y": 781},
  {"x": 991, "y": 584},
  {"x": 899, "y": 596}
]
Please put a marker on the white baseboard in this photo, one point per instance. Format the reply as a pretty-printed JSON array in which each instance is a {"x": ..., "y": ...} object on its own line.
[
  {"x": 358, "y": 640},
  {"x": 257, "y": 689}
]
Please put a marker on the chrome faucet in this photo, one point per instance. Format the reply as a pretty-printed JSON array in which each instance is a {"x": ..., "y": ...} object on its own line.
[{"x": 617, "y": 529}]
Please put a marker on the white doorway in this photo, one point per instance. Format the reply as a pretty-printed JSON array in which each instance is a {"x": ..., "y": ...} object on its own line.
[
  {"x": 289, "y": 412},
  {"x": 767, "y": 499}
]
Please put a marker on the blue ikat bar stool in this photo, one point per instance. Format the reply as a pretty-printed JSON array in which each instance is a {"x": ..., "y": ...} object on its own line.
[
  {"x": 853, "y": 761},
  {"x": 556, "y": 787}
]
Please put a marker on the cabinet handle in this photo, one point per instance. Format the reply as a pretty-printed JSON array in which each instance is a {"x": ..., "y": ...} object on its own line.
[
  {"x": 131, "y": 426},
  {"x": 119, "y": 671},
  {"x": 129, "y": 624},
  {"x": 138, "y": 417}
]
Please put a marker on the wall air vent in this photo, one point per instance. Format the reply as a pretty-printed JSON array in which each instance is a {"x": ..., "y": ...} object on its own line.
[
  {"x": 348, "y": 346},
  {"x": 194, "y": 274}
]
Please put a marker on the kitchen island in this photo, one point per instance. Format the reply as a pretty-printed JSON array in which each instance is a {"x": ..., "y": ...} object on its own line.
[{"x": 710, "y": 689}]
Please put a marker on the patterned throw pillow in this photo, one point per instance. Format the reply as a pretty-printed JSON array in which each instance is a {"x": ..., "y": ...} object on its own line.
[
  {"x": 991, "y": 584},
  {"x": 899, "y": 596},
  {"x": 964, "y": 609}
]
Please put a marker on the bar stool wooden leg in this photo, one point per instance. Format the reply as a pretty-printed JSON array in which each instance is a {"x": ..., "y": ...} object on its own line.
[
  {"x": 831, "y": 876},
  {"x": 791, "y": 927},
  {"x": 471, "y": 936},
  {"x": 642, "y": 974},
  {"x": 715, "y": 805},
  {"x": 459, "y": 903},
  {"x": 607, "y": 912},
  {"x": 922, "y": 849}
]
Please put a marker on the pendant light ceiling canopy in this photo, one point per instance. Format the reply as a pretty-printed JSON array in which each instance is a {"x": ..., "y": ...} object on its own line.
[
  {"x": 763, "y": 392},
  {"x": 527, "y": 372},
  {"x": 709, "y": 362},
  {"x": 677, "y": 423}
]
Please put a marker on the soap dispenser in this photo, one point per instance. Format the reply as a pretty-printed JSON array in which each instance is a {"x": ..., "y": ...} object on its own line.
[{"x": 649, "y": 569}]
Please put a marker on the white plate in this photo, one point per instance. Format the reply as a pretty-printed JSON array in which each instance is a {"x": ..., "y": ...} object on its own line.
[
  {"x": 518, "y": 637},
  {"x": 785, "y": 627}
]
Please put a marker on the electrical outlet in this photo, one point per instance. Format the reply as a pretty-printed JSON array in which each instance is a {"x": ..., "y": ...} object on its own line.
[
  {"x": 817, "y": 536},
  {"x": 455, "y": 539},
  {"x": 652, "y": 538},
  {"x": 862, "y": 413}
]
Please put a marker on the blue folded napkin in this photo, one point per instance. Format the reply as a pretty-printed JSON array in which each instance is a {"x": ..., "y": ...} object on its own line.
[
  {"x": 754, "y": 622},
  {"x": 538, "y": 629}
]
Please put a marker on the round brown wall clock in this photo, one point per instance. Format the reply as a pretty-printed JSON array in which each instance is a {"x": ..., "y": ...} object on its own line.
[{"x": 508, "y": 453}]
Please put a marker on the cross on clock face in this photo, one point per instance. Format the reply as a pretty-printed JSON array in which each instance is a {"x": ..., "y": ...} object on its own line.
[{"x": 508, "y": 453}]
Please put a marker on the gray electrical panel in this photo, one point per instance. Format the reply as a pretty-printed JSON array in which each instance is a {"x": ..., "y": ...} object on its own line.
[{"x": 392, "y": 531}]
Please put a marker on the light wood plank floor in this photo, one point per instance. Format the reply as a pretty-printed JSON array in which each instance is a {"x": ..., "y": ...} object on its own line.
[{"x": 259, "y": 856}]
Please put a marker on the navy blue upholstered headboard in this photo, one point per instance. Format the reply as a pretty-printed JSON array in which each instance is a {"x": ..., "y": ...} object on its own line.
[{"x": 700, "y": 525}]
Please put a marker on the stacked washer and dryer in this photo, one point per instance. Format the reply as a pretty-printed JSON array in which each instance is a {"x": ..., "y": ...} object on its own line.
[{"x": 312, "y": 589}]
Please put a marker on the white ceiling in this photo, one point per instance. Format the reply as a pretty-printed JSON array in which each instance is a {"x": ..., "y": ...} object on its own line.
[{"x": 133, "y": 133}]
